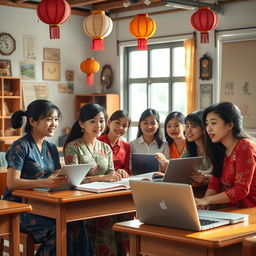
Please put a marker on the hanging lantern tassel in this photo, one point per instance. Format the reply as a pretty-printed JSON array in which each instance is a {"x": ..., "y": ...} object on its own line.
[
  {"x": 54, "y": 31},
  {"x": 142, "y": 27},
  {"x": 97, "y": 44},
  {"x": 204, "y": 20},
  {"x": 90, "y": 66}
]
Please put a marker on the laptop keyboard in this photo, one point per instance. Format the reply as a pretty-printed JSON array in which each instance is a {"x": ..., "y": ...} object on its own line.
[{"x": 204, "y": 222}]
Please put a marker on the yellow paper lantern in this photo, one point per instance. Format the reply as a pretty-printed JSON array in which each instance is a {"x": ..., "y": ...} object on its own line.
[
  {"x": 90, "y": 66},
  {"x": 97, "y": 25},
  {"x": 142, "y": 27}
]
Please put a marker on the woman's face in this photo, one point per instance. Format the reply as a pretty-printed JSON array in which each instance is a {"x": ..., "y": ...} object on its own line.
[
  {"x": 216, "y": 128},
  {"x": 149, "y": 126},
  {"x": 175, "y": 129},
  {"x": 118, "y": 127},
  {"x": 46, "y": 126},
  {"x": 95, "y": 126},
  {"x": 193, "y": 131}
]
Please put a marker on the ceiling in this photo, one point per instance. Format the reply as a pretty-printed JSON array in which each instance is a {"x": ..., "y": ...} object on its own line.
[{"x": 84, "y": 7}]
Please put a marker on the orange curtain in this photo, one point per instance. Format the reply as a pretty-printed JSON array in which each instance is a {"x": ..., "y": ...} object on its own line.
[{"x": 190, "y": 65}]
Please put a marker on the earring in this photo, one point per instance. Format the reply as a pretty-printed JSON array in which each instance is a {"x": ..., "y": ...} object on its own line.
[{"x": 82, "y": 130}]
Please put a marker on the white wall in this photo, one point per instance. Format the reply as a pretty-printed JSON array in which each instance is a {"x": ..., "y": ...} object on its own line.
[{"x": 75, "y": 45}]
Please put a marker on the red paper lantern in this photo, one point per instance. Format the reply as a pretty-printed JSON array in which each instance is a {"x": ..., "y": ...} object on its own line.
[
  {"x": 204, "y": 20},
  {"x": 90, "y": 66},
  {"x": 142, "y": 27},
  {"x": 54, "y": 13},
  {"x": 97, "y": 25}
]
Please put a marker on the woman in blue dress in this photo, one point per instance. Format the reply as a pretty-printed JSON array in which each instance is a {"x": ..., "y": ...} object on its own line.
[{"x": 34, "y": 162}]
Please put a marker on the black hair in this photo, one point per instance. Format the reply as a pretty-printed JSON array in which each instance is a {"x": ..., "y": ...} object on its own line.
[
  {"x": 158, "y": 135},
  {"x": 181, "y": 119},
  {"x": 196, "y": 119},
  {"x": 229, "y": 113},
  {"x": 116, "y": 116},
  {"x": 37, "y": 110},
  {"x": 87, "y": 112}
]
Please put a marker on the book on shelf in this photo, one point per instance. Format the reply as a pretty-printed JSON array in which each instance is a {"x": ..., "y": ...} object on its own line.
[{"x": 100, "y": 186}]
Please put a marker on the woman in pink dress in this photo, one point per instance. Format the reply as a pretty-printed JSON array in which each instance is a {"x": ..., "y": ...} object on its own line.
[{"x": 233, "y": 155}]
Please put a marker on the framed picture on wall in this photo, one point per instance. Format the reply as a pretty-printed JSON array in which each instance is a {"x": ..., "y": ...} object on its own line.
[
  {"x": 206, "y": 67},
  {"x": 51, "y": 54},
  {"x": 51, "y": 71},
  {"x": 5, "y": 68},
  {"x": 206, "y": 95}
]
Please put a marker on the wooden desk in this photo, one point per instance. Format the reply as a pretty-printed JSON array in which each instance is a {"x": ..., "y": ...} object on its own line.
[
  {"x": 10, "y": 223},
  {"x": 156, "y": 240},
  {"x": 72, "y": 205}
]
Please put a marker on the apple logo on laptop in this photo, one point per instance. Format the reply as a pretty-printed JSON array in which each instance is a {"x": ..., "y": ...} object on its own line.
[{"x": 163, "y": 205}]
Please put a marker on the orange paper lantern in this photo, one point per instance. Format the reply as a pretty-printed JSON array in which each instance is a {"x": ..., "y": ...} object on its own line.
[
  {"x": 142, "y": 27},
  {"x": 90, "y": 66},
  {"x": 97, "y": 25}
]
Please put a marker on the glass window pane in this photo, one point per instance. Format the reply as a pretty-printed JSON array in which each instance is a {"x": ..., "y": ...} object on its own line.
[
  {"x": 160, "y": 99},
  {"x": 133, "y": 130},
  {"x": 137, "y": 100},
  {"x": 178, "y": 62},
  {"x": 160, "y": 62},
  {"x": 179, "y": 98},
  {"x": 138, "y": 64}
]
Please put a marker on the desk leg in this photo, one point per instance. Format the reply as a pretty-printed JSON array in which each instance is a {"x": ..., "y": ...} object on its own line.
[
  {"x": 15, "y": 235},
  {"x": 61, "y": 231},
  {"x": 134, "y": 245}
]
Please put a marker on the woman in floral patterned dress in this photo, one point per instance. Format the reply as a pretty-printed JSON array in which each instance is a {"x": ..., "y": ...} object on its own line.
[
  {"x": 233, "y": 154},
  {"x": 82, "y": 147},
  {"x": 34, "y": 162}
]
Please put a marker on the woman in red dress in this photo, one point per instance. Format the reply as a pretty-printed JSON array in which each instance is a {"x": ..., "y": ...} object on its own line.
[{"x": 233, "y": 154}]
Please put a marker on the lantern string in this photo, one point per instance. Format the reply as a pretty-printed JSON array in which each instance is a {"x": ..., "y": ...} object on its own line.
[
  {"x": 142, "y": 44},
  {"x": 98, "y": 44},
  {"x": 54, "y": 32},
  {"x": 89, "y": 79}
]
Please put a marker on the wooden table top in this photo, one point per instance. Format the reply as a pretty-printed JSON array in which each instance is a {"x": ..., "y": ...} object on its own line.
[
  {"x": 3, "y": 169},
  {"x": 217, "y": 237},
  {"x": 8, "y": 207},
  {"x": 67, "y": 196}
]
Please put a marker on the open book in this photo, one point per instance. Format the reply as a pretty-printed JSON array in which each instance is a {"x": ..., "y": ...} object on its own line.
[{"x": 99, "y": 187}]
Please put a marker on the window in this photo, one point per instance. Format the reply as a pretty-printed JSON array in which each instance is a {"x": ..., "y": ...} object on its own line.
[{"x": 154, "y": 78}]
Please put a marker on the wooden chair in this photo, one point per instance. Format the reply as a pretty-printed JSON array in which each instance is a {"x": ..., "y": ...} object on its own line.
[
  {"x": 26, "y": 240},
  {"x": 249, "y": 246}
]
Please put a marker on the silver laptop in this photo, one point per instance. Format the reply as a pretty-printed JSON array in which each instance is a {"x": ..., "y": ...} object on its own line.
[
  {"x": 180, "y": 169},
  {"x": 144, "y": 163},
  {"x": 75, "y": 174},
  {"x": 170, "y": 205}
]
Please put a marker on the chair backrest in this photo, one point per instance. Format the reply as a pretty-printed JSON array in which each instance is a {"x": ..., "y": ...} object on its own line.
[
  {"x": 249, "y": 246},
  {"x": 3, "y": 162}
]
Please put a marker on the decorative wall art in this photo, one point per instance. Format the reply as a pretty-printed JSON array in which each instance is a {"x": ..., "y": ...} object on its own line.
[
  {"x": 66, "y": 88},
  {"x": 27, "y": 70},
  {"x": 205, "y": 67},
  {"x": 5, "y": 68},
  {"x": 206, "y": 95},
  {"x": 69, "y": 75},
  {"x": 29, "y": 43},
  {"x": 51, "y": 71},
  {"x": 51, "y": 54}
]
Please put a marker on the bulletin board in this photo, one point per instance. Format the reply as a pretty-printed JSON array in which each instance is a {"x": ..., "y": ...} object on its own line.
[{"x": 238, "y": 79}]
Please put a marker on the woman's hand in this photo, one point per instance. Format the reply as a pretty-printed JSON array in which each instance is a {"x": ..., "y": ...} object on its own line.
[
  {"x": 114, "y": 176},
  {"x": 201, "y": 177},
  {"x": 202, "y": 203},
  {"x": 54, "y": 180},
  {"x": 123, "y": 173},
  {"x": 162, "y": 161}
]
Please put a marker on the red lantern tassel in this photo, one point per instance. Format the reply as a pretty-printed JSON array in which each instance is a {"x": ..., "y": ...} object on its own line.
[
  {"x": 142, "y": 44},
  {"x": 89, "y": 79},
  {"x": 204, "y": 37},
  {"x": 54, "y": 31},
  {"x": 98, "y": 44}
]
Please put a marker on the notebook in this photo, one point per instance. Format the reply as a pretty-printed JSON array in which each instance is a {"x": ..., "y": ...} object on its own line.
[
  {"x": 143, "y": 163},
  {"x": 75, "y": 174},
  {"x": 173, "y": 206},
  {"x": 180, "y": 169}
]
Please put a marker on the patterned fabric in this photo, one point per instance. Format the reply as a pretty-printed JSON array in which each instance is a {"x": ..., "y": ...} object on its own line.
[
  {"x": 174, "y": 153},
  {"x": 121, "y": 153},
  {"x": 238, "y": 178},
  {"x": 205, "y": 164},
  {"x": 76, "y": 152},
  {"x": 25, "y": 156},
  {"x": 104, "y": 240}
]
